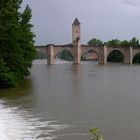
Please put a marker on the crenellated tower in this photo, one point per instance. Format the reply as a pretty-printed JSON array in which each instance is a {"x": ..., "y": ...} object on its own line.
[{"x": 76, "y": 42}]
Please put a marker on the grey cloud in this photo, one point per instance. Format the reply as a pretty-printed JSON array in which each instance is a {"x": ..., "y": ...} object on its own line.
[
  {"x": 134, "y": 3},
  {"x": 103, "y": 19}
]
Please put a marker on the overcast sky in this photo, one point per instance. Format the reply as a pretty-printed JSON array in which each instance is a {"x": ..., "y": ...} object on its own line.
[{"x": 103, "y": 19}]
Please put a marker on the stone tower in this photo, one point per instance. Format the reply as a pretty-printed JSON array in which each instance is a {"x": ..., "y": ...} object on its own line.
[{"x": 76, "y": 42}]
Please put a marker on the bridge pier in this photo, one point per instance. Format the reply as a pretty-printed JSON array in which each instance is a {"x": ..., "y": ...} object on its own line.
[
  {"x": 128, "y": 56},
  {"x": 103, "y": 55},
  {"x": 76, "y": 53},
  {"x": 51, "y": 54}
]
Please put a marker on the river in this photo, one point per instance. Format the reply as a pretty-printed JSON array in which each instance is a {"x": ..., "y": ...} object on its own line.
[{"x": 63, "y": 101}]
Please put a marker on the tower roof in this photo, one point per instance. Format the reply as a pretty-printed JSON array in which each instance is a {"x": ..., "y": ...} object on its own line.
[{"x": 76, "y": 22}]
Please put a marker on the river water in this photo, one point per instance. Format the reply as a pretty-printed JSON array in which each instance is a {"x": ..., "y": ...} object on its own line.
[{"x": 63, "y": 101}]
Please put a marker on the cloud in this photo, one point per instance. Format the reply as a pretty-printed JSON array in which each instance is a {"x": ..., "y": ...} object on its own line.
[
  {"x": 103, "y": 19},
  {"x": 133, "y": 3}
]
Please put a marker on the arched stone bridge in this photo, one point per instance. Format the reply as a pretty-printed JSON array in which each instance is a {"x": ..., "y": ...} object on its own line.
[
  {"x": 102, "y": 52},
  {"x": 77, "y": 50}
]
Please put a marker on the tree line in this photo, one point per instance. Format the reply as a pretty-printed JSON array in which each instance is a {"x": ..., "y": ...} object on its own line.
[
  {"x": 134, "y": 42},
  {"x": 16, "y": 42},
  {"x": 116, "y": 56}
]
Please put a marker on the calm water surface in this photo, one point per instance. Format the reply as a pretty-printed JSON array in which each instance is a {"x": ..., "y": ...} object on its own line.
[{"x": 63, "y": 101}]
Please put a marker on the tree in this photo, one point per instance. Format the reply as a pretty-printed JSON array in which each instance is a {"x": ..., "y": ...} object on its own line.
[
  {"x": 16, "y": 40},
  {"x": 95, "y": 42},
  {"x": 134, "y": 42},
  {"x": 6, "y": 77},
  {"x": 115, "y": 56},
  {"x": 65, "y": 55},
  {"x": 124, "y": 43},
  {"x": 136, "y": 58},
  {"x": 113, "y": 43}
]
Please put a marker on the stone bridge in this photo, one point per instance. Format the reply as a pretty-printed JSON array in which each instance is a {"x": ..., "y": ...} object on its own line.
[{"x": 77, "y": 50}]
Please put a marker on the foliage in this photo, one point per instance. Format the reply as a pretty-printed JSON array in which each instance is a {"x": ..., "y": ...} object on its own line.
[
  {"x": 83, "y": 58},
  {"x": 16, "y": 42},
  {"x": 6, "y": 77},
  {"x": 113, "y": 43},
  {"x": 65, "y": 55},
  {"x": 125, "y": 43},
  {"x": 95, "y": 42},
  {"x": 134, "y": 42},
  {"x": 41, "y": 55},
  {"x": 115, "y": 56},
  {"x": 95, "y": 134},
  {"x": 136, "y": 58}
]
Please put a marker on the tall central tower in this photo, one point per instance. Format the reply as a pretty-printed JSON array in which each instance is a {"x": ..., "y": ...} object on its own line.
[{"x": 76, "y": 42}]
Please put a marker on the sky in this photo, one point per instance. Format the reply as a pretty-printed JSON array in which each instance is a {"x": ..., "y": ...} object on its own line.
[{"x": 102, "y": 19}]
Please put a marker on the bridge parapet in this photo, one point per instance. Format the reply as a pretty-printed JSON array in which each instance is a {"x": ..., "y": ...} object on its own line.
[{"x": 40, "y": 48}]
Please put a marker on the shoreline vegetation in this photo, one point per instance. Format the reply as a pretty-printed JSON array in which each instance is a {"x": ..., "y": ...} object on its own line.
[
  {"x": 134, "y": 42},
  {"x": 95, "y": 134},
  {"x": 16, "y": 43}
]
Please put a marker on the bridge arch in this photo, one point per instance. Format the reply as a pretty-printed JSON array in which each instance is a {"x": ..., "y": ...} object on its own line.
[
  {"x": 116, "y": 55},
  {"x": 89, "y": 51},
  {"x": 136, "y": 58},
  {"x": 60, "y": 50},
  {"x": 42, "y": 52}
]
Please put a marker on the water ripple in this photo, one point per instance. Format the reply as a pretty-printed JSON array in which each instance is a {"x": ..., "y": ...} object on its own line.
[{"x": 16, "y": 125}]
